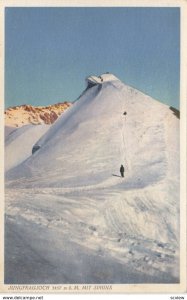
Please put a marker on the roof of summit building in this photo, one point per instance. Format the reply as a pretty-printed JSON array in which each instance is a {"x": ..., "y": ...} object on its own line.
[{"x": 102, "y": 78}]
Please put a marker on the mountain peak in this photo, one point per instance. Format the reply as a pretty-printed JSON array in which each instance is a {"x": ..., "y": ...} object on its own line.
[
  {"x": 66, "y": 182},
  {"x": 101, "y": 78},
  {"x": 18, "y": 116}
]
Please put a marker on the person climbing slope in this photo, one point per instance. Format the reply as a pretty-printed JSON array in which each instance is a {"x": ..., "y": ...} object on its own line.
[{"x": 122, "y": 170}]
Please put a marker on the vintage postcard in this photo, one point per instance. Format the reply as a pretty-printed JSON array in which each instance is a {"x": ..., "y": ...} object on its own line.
[{"x": 93, "y": 143}]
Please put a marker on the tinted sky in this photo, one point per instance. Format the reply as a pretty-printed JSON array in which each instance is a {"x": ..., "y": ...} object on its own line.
[{"x": 50, "y": 51}]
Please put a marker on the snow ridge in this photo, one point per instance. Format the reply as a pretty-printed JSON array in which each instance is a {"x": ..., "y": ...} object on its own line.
[{"x": 71, "y": 187}]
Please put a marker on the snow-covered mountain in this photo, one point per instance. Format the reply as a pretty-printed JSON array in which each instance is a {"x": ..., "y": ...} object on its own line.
[
  {"x": 18, "y": 116},
  {"x": 21, "y": 132},
  {"x": 70, "y": 187}
]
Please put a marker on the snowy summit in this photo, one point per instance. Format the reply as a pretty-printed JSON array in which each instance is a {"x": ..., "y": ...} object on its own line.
[
  {"x": 101, "y": 79},
  {"x": 70, "y": 190}
]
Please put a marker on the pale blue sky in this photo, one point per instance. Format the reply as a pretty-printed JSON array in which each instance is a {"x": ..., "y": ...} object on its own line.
[{"x": 50, "y": 51}]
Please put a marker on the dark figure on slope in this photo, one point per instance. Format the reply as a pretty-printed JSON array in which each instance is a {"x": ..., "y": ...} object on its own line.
[{"x": 122, "y": 170}]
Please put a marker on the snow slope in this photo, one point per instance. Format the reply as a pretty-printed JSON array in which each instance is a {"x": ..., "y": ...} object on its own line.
[
  {"x": 71, "y": 186},
  {"x": 19, "y": 143}
]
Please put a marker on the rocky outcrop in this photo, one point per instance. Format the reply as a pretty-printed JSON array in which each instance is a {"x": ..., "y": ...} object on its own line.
[{"x": 18, "y": 116}]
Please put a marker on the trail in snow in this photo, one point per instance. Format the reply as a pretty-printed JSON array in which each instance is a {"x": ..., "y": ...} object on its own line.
[
  {"x": 41, "y": 262},
  {"x": 125, "y": 138},
  {"x": 98, "y": 224}
]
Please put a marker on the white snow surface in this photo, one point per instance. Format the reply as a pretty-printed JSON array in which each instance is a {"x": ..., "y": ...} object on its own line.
[
  {"x": 70, "y": 212},
  {"x": 19, "y": 143}
]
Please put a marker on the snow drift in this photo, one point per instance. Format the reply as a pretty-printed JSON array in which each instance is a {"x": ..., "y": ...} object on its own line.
[
  {"x": 72, "y": 184},
  {"x": 19, "y": 142}
]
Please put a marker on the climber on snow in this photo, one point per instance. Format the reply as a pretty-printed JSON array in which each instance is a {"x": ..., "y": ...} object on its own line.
[
  {"x": 122, "y": 170},
  {"x": 101, "y": 78}
]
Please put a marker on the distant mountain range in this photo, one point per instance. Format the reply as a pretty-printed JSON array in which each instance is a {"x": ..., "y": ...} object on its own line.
[{"x": 18, "y": 116}]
